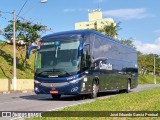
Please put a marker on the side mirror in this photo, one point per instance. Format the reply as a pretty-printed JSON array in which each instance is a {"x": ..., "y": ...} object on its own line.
[
  {"x": 81, "y": 47},
  {"x": 80, "y": 50},
  {"x": 29, "y": 51}
]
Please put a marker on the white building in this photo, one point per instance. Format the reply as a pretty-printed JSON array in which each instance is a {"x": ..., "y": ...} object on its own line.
[{"x": 95, "y": 21}]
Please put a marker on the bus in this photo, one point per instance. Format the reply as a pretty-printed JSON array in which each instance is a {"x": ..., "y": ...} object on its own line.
[{"x": 83, "y": 62}]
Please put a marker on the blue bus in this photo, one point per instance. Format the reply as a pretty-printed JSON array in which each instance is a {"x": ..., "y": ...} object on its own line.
[{"x": 83, "y": 62}]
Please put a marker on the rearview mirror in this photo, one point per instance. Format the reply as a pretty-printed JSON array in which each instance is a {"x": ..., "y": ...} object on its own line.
[
  {"x": 29, "y": 51},
  {"x": 80, "y": 49}
]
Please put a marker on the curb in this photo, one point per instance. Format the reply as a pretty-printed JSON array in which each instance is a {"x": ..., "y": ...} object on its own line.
[{"x": 14, "y": 92}]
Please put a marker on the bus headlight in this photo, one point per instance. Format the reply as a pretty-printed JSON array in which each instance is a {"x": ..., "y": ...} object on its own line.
[
  {"x": 74, "y": 81},
  {"x": 35, "y": 81}
]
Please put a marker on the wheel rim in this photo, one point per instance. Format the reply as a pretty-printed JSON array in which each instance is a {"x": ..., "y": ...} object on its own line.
[
  {"x": 129, "y": 85},
  {"x": 95, "y": 90}
]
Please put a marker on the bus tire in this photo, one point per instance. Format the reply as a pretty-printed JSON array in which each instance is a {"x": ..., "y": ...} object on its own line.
[
  {"x": 56, "y": 96},
  {"x": 94, "y": 90}
]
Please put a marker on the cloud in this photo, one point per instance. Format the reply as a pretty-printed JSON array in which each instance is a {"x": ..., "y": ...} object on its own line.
[
  {"x": 100, "y": 1},
  {"x": 69, "y": 10},
  {"x": 74, "y": 10},
  {"x": 157, "y": 31},
  {"x": 148, "y": 47},
  {"x": 128, "y": 14}
]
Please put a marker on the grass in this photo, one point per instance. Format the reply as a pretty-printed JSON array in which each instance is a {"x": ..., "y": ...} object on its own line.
[
  {"x": 147, "y": 79},
  {"x": 147, "y": 100},
  {"x": 6, "y": 63}
]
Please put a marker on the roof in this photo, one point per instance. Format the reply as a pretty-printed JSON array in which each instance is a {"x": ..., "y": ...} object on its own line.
[{"x": 83, "y": 33}]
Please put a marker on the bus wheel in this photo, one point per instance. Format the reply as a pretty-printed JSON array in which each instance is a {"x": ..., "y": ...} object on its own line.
[
  {"x": 56, "y": 96},
  {"x": 94, "y": 90}
]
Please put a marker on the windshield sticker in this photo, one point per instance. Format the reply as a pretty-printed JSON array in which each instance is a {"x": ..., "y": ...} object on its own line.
[{"x": 48, "y": 43}]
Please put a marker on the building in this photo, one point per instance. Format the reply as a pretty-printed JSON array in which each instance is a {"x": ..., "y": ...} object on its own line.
[{"x": 95, "y": 21}]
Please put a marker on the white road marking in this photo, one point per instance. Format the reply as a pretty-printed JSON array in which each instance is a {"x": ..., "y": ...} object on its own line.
[{"x": 71, "y": 105}]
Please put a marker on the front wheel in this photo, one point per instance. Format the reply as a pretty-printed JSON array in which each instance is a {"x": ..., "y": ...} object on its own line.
[
  {"x": 56, "y": 96},
  {"x": 94, "y": 90}
]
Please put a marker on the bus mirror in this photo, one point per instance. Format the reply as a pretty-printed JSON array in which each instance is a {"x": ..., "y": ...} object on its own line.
[
  {"x": 29, "y": 51},
  {"x": 80, "y": 50},
  {"x": 81, "y": 47}
]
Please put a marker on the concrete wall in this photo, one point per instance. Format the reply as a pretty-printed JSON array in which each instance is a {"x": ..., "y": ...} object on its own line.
[{"x": 22, "y": 85}]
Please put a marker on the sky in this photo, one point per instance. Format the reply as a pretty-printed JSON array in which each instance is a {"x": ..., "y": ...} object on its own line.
[{"x": 139, "y": 19}]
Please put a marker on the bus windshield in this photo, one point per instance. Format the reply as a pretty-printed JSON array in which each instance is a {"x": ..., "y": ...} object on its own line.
[{"x": 56, "y": 58}]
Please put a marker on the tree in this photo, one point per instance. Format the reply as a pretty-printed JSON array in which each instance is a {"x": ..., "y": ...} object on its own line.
[
  {"x": 25, "y": 31},
  {"x": 146, "y": 63},
  {"x": 128, "y": 42},
  {"x": 110, "y": 30}
]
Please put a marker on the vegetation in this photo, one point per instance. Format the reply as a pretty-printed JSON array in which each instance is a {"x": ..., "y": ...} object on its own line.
[
  {"x": 6, "y": 63},
  {"x": 128, "y": 42},
  {"x": 146, "y": 63},
  {"x": 25, "y": 31},
  {"x": 147, "y": 100},
  {"x": 110, "y": 30},
  {"x": 147, "y": 79}
]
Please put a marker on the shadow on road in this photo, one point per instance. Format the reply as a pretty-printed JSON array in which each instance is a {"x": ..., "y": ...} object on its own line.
[{"x": 43, "y": 97}]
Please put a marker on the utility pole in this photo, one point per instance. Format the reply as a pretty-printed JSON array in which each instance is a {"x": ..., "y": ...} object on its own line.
[
  {"x": 154, "y": 70},
  {"x": 14, "y": 52}
]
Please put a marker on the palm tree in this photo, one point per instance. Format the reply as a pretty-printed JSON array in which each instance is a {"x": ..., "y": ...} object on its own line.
[{"x": 110, "y": 30}]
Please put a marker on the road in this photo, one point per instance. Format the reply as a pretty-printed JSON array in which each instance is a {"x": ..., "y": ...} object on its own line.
[{"x": 33, "y": 102}]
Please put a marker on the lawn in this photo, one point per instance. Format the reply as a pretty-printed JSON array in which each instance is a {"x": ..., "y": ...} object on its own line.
[{"x": 148, "y": 79}]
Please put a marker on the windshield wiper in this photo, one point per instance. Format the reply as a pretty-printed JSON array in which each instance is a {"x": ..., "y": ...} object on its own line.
[
  {"x": 53, "y": 71},
  {"x": 61, "y": 70}
]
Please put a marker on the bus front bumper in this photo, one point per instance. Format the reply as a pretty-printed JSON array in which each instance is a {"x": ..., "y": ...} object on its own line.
[{"x": 65, "y": 88}]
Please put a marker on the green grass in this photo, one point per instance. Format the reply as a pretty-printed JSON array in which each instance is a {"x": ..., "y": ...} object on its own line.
[
  {"x": 6, "y": 63},
  {"x": 147, "y": 79},
  {"x": 147, "y": 100}
]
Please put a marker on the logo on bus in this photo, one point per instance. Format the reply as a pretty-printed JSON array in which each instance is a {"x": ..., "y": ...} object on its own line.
[
  {"x": 105, "y": 66},
  {"x": 74, "y": 89}
]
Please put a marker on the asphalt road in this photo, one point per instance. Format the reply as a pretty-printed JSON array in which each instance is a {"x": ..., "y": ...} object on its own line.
[{"x": 32, "y": 102}]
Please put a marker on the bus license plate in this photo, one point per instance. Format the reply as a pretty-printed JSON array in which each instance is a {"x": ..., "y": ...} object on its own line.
[{"x": 54, "y": 92}]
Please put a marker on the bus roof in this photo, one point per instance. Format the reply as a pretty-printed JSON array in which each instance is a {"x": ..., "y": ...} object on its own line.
[{"x": 83, "y": 33}]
